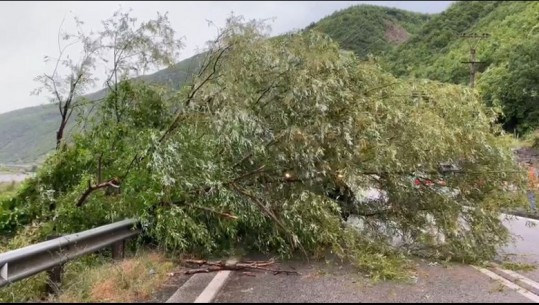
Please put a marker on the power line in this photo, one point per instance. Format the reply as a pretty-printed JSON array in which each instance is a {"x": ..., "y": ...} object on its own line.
[{"x": 475, "y": 38}]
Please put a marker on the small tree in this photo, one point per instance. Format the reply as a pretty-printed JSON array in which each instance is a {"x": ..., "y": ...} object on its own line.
[
  {"x": 65, "y": 87},
  {"x": 514, "y": 87},
  {"x": 123, "y": 47}
]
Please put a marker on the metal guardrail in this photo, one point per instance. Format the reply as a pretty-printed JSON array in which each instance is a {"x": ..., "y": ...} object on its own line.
[{"x": 51, "y": 255}]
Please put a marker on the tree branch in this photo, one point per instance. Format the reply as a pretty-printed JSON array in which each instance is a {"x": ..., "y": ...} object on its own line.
[
  {"x": 218, "y": 266},
  {"x": 92, "y": 188},
  {"x": 381, "y": 87},
  {"x": 56, "y": 93},
  {"x": 256, "y": 171},
  {"x": 173, "y": 125},
  {"x": 99, "y": 164},
  {"x": 269, "y": 213},
  {"x": 191, "y": 95},
  {"x": 273, "y": 141},
  {"x": 223, "y": 214}
]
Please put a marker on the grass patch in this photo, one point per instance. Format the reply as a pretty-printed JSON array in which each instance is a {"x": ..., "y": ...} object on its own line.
[
  {"x": 521, "y": 142},
  {"x": 133, "y": 279},
  {"x": 533, "y": 139},
  {"x": 9, "y": 170},
  {"x": 7, "y": 188},
  {"x": 518, "y": 266},
  {"x": 27, "y": 290},
  {"x": 94, "y": 278}
]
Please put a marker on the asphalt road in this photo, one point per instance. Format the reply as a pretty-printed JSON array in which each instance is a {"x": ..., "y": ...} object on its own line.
[
  {"x": 525, "y": 248},
  {"x": 321, "y": 283}
]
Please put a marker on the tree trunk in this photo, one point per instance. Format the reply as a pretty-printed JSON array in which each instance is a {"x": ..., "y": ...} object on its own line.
[{"x": 60, "y": 134}]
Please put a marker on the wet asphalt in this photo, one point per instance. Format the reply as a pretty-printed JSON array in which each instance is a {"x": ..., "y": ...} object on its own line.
[{"x": 319, "y": 282}]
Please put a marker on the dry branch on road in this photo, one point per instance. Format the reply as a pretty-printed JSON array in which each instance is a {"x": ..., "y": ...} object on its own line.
[{"x": 207, "y": 266}]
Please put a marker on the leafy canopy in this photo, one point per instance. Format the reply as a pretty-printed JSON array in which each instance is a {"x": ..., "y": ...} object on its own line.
[{"x": 247, "y": 155}]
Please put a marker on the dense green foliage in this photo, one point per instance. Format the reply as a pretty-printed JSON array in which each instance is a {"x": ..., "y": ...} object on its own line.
[
  {"x": 369, "y": 29},
  {"x": 257, "y": 140},
  {"x": 514, "y": 85},
  {"x": 506, "y": 76}
]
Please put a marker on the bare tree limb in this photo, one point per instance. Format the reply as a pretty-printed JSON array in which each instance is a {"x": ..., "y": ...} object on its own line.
[
  {"x": 218, "y": 266},
  {"x": 91, "y": 188}
]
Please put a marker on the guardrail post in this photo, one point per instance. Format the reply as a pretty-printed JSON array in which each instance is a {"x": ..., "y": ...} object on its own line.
[
  {"x": 54, "y": 275},
  {"x": 118, "y": 250},
  {"x": 55, "y": 279}
]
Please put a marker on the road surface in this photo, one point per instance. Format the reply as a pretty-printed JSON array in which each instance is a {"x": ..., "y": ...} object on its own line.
[
  {"x": 319, "y": 282},
  {"x": 525, "y": 248}
]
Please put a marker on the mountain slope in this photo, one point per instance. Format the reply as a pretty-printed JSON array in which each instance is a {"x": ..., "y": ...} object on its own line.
[
  {"x": 427, "y": 54},
  {"x": 508, "y": 73},
  {"x": 371, "y": 29},
  {"x": 27, "y": 133}
]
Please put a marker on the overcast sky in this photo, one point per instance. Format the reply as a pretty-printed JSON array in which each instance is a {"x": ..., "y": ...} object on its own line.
[{"x": 28, "y": 30}]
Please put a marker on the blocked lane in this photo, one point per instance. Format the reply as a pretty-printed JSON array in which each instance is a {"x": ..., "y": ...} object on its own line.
[{"x": 322, "y": 283}]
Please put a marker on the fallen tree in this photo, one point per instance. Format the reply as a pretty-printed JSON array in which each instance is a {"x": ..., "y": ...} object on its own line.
[{"x": 270, "y": 146}]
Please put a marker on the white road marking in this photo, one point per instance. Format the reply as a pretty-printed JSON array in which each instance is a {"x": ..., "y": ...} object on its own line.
[
  {"x": 523, "y": 291},
  {"x": 215, "y": 286}
]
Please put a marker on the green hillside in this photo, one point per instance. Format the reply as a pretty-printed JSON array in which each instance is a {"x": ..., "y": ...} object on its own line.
[
  {"x": 421, "y": 55},
  {"x": 509, "y": 73},
  {"x": 27, "y": 133},
  {"x": 372, "y": 29}
]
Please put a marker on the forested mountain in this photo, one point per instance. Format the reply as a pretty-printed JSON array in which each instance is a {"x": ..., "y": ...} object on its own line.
[
  {"x": 369, "y": 29},
  {"x": 509, "y": 70}
]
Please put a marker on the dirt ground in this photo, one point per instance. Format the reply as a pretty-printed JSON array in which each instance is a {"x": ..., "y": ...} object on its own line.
[{"x": 528, "y": 154}]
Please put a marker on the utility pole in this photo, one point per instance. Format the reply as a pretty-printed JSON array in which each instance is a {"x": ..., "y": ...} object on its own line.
[{"x": 473, "y": 45}]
